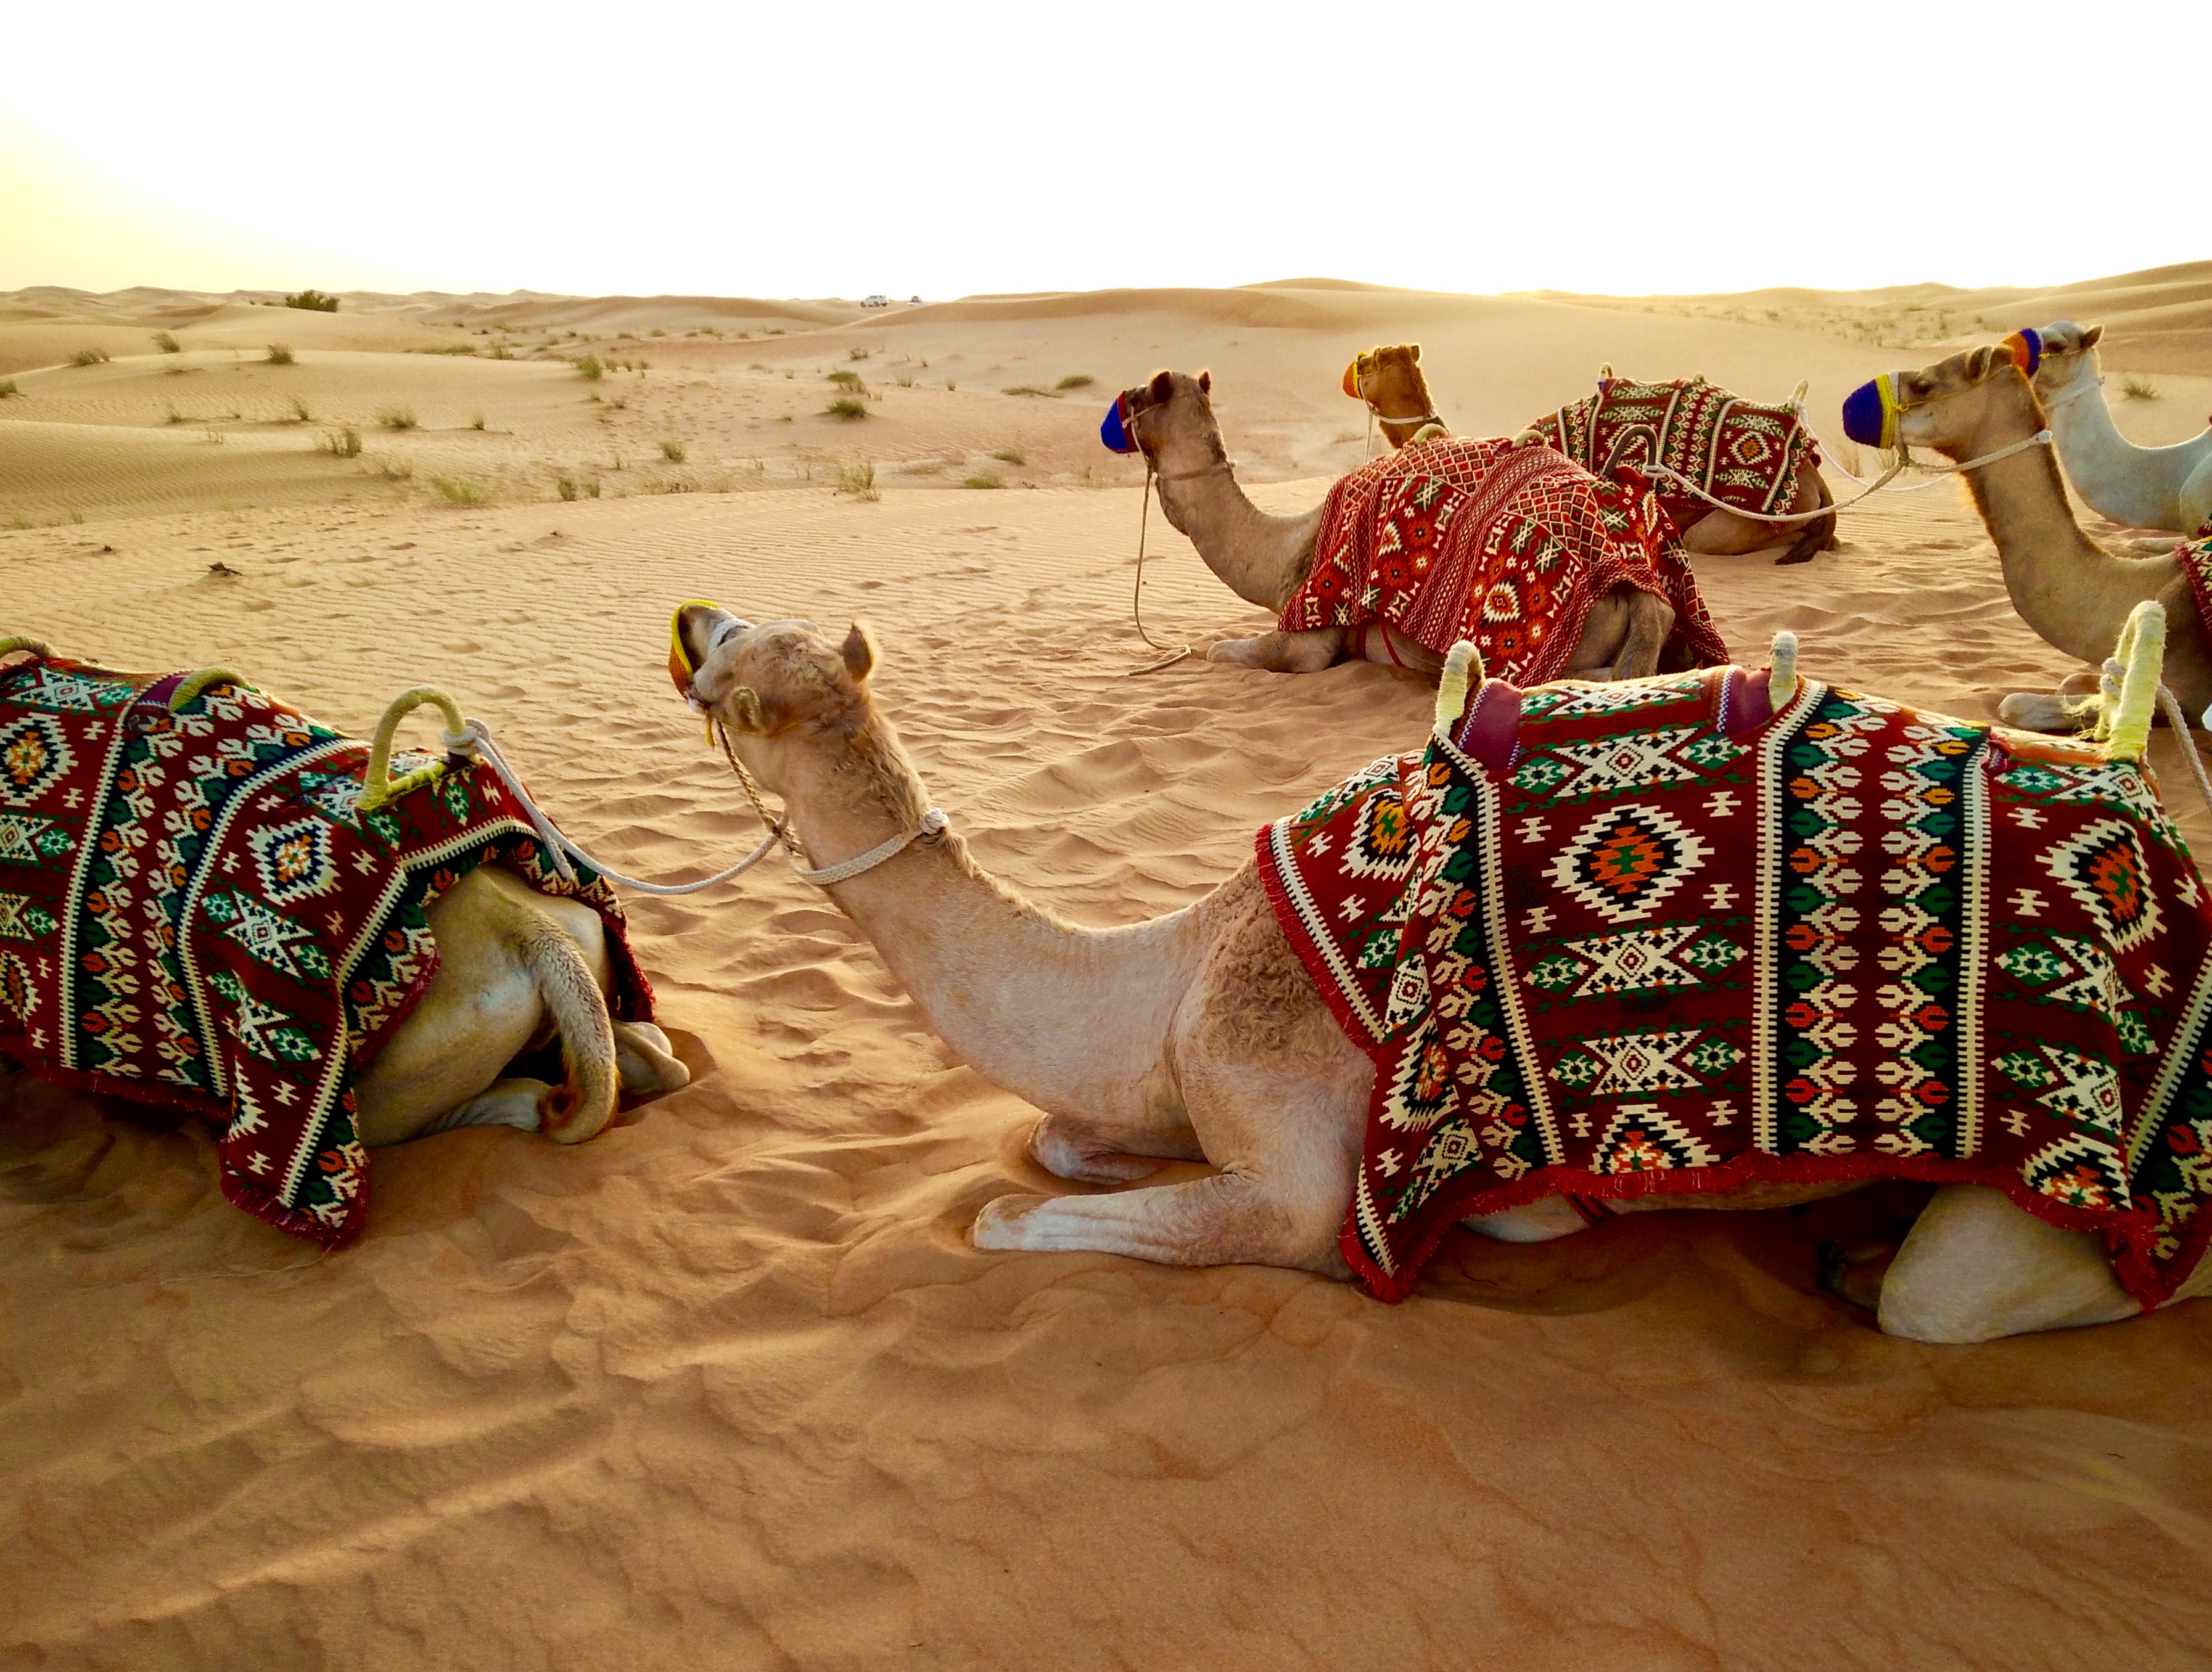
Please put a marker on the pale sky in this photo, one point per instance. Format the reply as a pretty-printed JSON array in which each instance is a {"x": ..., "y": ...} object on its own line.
[{"x": 952, "y": 147}]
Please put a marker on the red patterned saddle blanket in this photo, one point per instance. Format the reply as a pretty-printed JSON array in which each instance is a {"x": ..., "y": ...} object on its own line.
[
  {"x": 1742, "y": 452},
  {"x": 195, "y": 909},
  {"x": 1507, "y": 546},
  {"x": 1618, "y": 940}
]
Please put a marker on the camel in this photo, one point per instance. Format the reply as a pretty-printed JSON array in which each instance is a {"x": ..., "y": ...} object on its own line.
[
  {"x": 516, "y": 969},
  {"x": 1263, "y": 558},
  {"x": 2147, "y": 488},
  {"x": 1980, "y": 407},
  {"x": 1397, "y": 391},
  {"x": 1199, "y": 1036}
]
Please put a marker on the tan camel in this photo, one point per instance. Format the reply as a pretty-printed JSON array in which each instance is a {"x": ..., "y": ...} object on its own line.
[
  {"x": 1262, "y": 557},
  {"x": 2146, "y": 488},
  {"x": 1199, "y": 1036},
  {"x": 1397, "y": 391},
  {"x": 516, "y": 969},
  {"x": 2071, "y": 590}
]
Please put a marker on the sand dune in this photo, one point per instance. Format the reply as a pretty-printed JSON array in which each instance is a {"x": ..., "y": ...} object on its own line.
[{"x": 727, "y": 1387}]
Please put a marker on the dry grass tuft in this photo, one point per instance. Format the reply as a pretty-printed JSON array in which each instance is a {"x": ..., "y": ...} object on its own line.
[
  {"x": 167, "y": 343},
  {"x": 673, "y": 452},
  {"x": 89, "y": 357},
  {"x": 1076, "y": 380},
  {"x": 983, "y": 479},
  {"x": 459, "y": 490},
  {"x": 848, "y": 409},
  {"x": 280, "y": 354},
  {"x": 314, "y": 301},
  {"x": 2139, "y": 389},
  {"x": 858, "y": 480},
  {"x": 341, "y": 443},
  {"x": 1026, "y": 389},
  {"x": 1010, "y": 456},
  {"x": 397, "y": 417}
]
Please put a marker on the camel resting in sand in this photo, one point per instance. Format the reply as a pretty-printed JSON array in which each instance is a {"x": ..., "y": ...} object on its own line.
[
  {"x": 1200, "y": 1036},
  {"x": 516, "y": 967},
  {"x": 2146, "y": 488},
  {"x": 1389, "y": 380},
  {"x": 1263, "y": 559},
  {"x": 1977, "y": 408}
]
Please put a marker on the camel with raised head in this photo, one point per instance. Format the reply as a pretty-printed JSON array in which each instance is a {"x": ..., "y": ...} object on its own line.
[
  {"x": 2146, "y": 488},
  {"x": 1262, "y": 559},
  {"x": 517, "y": 970},
  {"x": 1978, "y": 410},
  {"x": 1200, "y": 1036},
  {"x": 1391, "y": 383}
]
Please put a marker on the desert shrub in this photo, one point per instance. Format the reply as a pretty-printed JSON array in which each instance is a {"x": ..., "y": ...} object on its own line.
[
  {"x": 858, "y": 480},
  {"x": 1076, "y": 381},
  {"x": 565, "y": 486},
  {"x": 175, "y": 416},
  {"x": 280, "y": 354},
  {"x": 950, "y": 386},
  {"x": 983, "y": 479},
  {"x": 397, "y": 417},
  {"x": 459, "y": 490},
  {"x": 167, "y": 343},
  {"x": 656, "y": 331},
  {"x": 342, "y": 443},
  {"x": 89, "y": 357},
  {"x": 300, "y": 413},
  {"x": 500, "y": 351},
  {"x": 906, "y": 383},
  {"x": 673, "y": 452},
  {"x": 846, "y": 379},
  {"x": 858, "y": 353},
  {"x": 448, "y": 349},
  {"x": 848, "y": 409},
  {"x": 1030, "y": 388},
  {"x": 314, "y": 301},
  {"x": 590, "y": 490},
  {"x": 1010, "y": 456},
  {"x": 8, "y": 387},
  {"x": 395, "y": 469},
  {"x": 589, "y": 368},
  {"x": 476, "y": 422},
  {"x": 2139, "y": 389}
]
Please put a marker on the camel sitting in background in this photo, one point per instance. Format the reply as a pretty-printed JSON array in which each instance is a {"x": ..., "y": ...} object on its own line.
[
  {"x": 1201, "y": 1036},
  {"x": 506, "y": 969},
  {"x": 1397, "y": 391},
  {"x": 1977, "y": 406},
  {"x": 1264, "y": 559},
  {"x": 2146, "y": 488}
]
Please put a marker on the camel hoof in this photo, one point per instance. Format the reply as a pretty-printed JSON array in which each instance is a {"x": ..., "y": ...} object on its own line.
[
  {"x": 1793, "y": 556},
  {"x": 1000, "y": 1224},
  {"x": 645, "y": 1060},
  {"x": 2039, "y": 711},
  {"x": 1854, "y": 1271}
]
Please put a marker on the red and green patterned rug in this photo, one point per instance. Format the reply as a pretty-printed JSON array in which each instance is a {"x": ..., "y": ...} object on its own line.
[
  {"x": 1506, "y": 546},
  {"x": 1663, "y": 941},
  {"x": 195, "y": 909}
]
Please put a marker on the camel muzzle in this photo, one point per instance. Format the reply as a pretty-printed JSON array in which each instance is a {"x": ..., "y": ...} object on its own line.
[
  {"x": 1114, "y": 431},
  {"x": 1870, "y": 412}
]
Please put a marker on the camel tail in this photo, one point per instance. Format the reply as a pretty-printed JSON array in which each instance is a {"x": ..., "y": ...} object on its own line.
[
  {"x": 585, "y": 1101},
  {"x": 1818, "y": 535}
]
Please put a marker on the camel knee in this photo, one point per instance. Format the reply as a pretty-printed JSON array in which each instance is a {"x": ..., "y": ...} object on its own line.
[
  {"x": 1066, "y": 1149},
  {"x": 1975, "y": 1268},
  {"x": 1280, "y": 652}
]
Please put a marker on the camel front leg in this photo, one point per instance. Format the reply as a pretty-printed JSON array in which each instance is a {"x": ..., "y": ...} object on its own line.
[
  {"x": 1225, "y": 1219},
  {"x": 1975, "y": 1268},
  {"x": 1307, "y": 652},
  {"x": 2071, "y": 708},
  {"x": 1095, "y": 1152}
]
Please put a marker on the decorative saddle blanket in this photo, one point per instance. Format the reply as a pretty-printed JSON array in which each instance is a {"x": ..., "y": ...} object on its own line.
[
  {"x": 195, "y": 909},
  {"x": 1506, "y": 546},
  {"x": 1616, "y": 940},
  {"x": 1740, "y": 451}
]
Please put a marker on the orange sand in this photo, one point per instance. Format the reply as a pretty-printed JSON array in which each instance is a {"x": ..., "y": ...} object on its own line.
[{"x": 727, "y": 1388}]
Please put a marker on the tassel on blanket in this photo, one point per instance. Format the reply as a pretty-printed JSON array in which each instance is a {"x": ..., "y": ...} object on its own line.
[
  {"x": 1463, "y": 668},
  {"x": 1782, "y": 661}
]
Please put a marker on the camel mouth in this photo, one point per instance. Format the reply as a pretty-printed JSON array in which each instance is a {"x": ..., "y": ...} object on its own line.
[
  {"x": 696, "y": 630},
  {"x": 1114, "y": 431},
  {"x": 1870, "y": 412}
]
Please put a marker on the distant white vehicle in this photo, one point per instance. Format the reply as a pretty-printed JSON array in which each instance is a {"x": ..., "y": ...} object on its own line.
[
  {"x": 914, "y": 302},
  {"x": 875, "y": 301}
]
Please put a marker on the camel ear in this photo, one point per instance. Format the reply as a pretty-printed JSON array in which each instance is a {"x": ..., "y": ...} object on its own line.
[
  {"x": 1417, "y": 353},
  {"x": 858, "y": 650},
  {"x": 2089, "y": 337},
  {"x": 1206, "y": 382},
  {"x": 1983, "y": 360},
  {"x": 1163, "y": 388},
  {"x": 744, "y": 712}
]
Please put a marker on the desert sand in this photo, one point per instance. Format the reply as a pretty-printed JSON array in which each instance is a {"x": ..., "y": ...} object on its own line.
[{"x": 728, "y": 1388}]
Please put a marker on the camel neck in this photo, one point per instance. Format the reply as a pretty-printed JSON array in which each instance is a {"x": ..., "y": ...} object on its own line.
[
  {"x": 1260, "y": 558},
  {"x": 2128, "y": 483},
  {"x": 2074, "y": 593},
  {"x": 1068, "y": 1019}
]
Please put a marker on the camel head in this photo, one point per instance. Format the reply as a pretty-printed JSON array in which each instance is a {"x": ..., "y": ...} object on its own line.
[
  {"x": 1169, "y": 419},
  {"x": 2069, "y": 357},
  {"x": 1954, "y": 406},
  {"x": 1389, "y": 381},
  {"x": 785, "y": 692}
]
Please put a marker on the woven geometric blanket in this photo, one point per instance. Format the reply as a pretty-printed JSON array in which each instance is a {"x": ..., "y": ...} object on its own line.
[
  {"x": 195, "y": 909},
  {"x": 1507, "y": 546},
  {"x": 1739, "y": 451},
  {"x": 2194, "y": 555},
  {"x": 1643, "y": 938}
]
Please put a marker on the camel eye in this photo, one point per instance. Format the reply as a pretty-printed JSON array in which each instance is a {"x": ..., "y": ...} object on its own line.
[{"x": 1919, "y": 384}]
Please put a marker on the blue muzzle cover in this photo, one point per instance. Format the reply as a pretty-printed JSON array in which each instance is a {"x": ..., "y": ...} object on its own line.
[
  {"x": 1114, "y": 433},
  {"x": 1870, "y": 412}
]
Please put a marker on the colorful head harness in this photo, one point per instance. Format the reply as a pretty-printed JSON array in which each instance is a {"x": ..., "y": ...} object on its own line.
[
  {"x": 2026, "y": 348},
  {"x": 1870, "y": 412}
]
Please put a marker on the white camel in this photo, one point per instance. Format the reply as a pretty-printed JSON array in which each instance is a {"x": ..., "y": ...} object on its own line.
[
  {"x": 516, "y": 970},
  {"x": 1199, "y": 1036},
  {"x": 2146, "y": 488}
]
